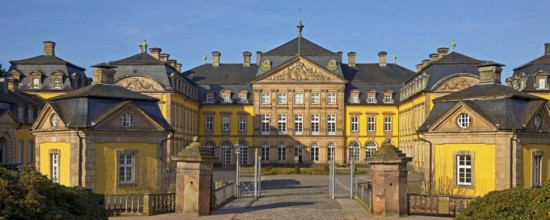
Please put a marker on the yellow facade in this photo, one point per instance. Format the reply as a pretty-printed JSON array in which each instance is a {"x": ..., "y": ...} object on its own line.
[
  {"x": 45, "y": 95},
  {"x": 25, "y": 139},
  {"x": 483, "y": 168},
  {"x": 527, "y": 162},
  {"x": 64, "y": 150},
  {"x": 145, "y": 169}
]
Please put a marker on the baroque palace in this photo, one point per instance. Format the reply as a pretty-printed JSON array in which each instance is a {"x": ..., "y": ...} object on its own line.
[{"x": 298, "y": 103}]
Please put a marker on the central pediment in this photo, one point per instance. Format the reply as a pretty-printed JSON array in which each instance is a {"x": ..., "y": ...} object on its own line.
[{"x": 300, "y": 70}]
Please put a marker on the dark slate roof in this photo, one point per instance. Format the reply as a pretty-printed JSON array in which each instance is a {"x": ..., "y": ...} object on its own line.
[
  {"x": 228, "y": 74},
  {"x": 83, "y": 107},
  {"x": 306, "y": 48},
  {"x": 541, "y": 63},
  {"x": 45, "y": 60},
  {"x": 375, "y": 74},
  {"x": 12, "y": 100},
  {"x": 542, "y": 60},
  {"x": 48, "y": 65},
  {"x": 138, "y": 59},
  {"x": 501, "y": 105},
  {"x": 108, "y": 91}
]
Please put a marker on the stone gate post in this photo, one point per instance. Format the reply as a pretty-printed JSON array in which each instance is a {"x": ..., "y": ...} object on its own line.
[
  {"x": 389, "y": 181},
  {"x": 193, "y": 180}
]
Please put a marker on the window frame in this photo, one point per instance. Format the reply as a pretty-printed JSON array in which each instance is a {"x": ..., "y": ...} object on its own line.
[
  {"x": 265, "y": 124},
  {"x": 282, "y": 99},
  {"x": 468, "y": 170},
  {"x": 314, "y": 126},
  {"x": 331, "y": 99},
  {"x": 265, "y": 98},
  {"x": 464, "y": 120},
  {"x": 299, "y": 98},
  {"x": 281, "y": 152},
  {"x": 315, "y": 99},
  {"x": 242, "y": 123},
  {"x": 55, "y": 166},
  {"x": 370, "y": 148},
  {"x": 354, "y": 123},
  {"x": 298, "y": 124},
  {"x": 126, "y": 166},
  {"x": 127, "y": 120},
  {"x": 265, "y": 152},
  {"x": 30, "y": 151},
  {"x": 331, "y": 124},
  {"x": 209, "y": 123},
  {"x": 281, "y": 124},
  {"x": 314, "y": 153},
  {"x": 225, "y": 152},
  {"x": 226, "y": 123},
  {"x": 388, "y": 123},
  {"x": 371, "y": 124}
]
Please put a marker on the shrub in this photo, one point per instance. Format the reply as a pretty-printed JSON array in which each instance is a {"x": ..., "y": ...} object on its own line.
[
  {"x": 26, "y": 194},
  {"x": 297, "y": 169}
]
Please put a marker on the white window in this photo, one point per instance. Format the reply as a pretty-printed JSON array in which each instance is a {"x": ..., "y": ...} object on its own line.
[
  {"x": 210, "y": 146},
  {"x": 265, "y": 124},
  {"x": 35, "y": 83},
  {"x": 209, "y": 123},
  {"x": 331, "y": 124},
  {"x": 30, "y": 151},
  {"x": 371, "y": 124},
  {"x": 354, "y": 123},
  {"x": 315, "y": 124},
  {"x": 370, "y": 148},
  {"x": 127, "y": 120},
  {"x": 242, "y": 123},
  {"x": 537, "y": 166},
  {"x": 464, "y": 170},
  {"x": 388, "y": 98},
  {"x": 225, "y": 152},
  {"x": 315, "y": 152},
  {"x": 299, "y": 98},
  {"x": 226, "y": 123},
  {"x": 354, "y": 148},
  {"x": 331, "y": 151},
  {"x": 126, "y": 168},
  {"x": 282, "y": 123},
  {"x": 371, "y": 98},
  {"x": 281, "y": 152},
  {"x": 331, "y": 98},
  {"x": 387, "y": 123},
  {"x": 54, "y": 120},
  {"x": 56, "y": 83},
  {"x": 265, "y": 98},
  {"x": 298, "y": 124},
  {"x": 243, "y": 156},
  {"x": 542, "y": 83},
  {"x": 226, "y": 97},
  {"x": 210, "y": 98},
  {"x": 315, "y": 98},
  {"x": 20, "y": 144},
  {"x": 265, "y": 152},
  {"x": 464, "y": 120},
  {"x": 242, "y": 98},
  {"x": 281, "y": 98},
  {"x": 54, "y": 167},
  {"x": 354, "y": 98}
]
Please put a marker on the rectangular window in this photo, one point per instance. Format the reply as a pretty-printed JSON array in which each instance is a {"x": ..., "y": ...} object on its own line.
[
  {"x": 354, "y": 98},
  {"x": 464, "y": 170},
  {"x": 226, "y": 98},
  {"x": 265, "y": 98},
  {"x": 242, "y": 123},
  {"x": 299, "y": 98},
  {"x": 315, "y": 153},
  {"x": 298, "y": 124},
  {"x": 126, "y": 168},
  {"x": 281, "y": 153},
  {"x": 265, "y": 124},
  {"x": 542, "y": 83},
  {"x": 355, "y": 123},
  {"x": 371, "y": 98},
  {"x": 387, "y": 123},
  {"x": 35, "y": 83},
  {"x": 315, "y": 98},
  {"x": 243, "y": 156},
  {"x": 281, "y": 98},
  {"x": 54, "y": 167},
  {"x": 315, "y": 124},
  {"x": 281, "y": 119},
  {"x": 265, "y": 152},
  {"x": 331, "y": 124},
  {"x": 226, "y": 123},
  {"x": 371, "y": 124},
  {"x": 30, "y": 151},
  {"x": 537, "y": 166},
  {"x": 210, "y": 98},
  {"x": 242, "y": 98},
  {"x": 226, "y": 155},
  {"x": 331, "y": 98},
  {"x": 209, "y": 123},
  {"x": 56, "y": 83},
  {"x": 387, "y": 98},
  {"x": 20, "y": 151}
]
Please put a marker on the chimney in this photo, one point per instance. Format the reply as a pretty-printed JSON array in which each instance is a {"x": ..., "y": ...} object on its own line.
[
  {"x": 246, "y": 56},
  {"x": 425, "y": 62},
  {"x": 103, "y": 73},
  {"x": 164, "y": 57},
  {"x": 351, "y": 59},
  {"x": 442, "y": 51},
  {"x": 258, "y": 57},
  {"x": 49, "y": 48},
  {"x": 382, "y": 58},
  {"x": 216, "y": 58},
  {"x": 547, "y": 48},
  {"x": 172, "y": 63},
  {"x": 178, "y": 67},
  {"x": 419, "y": 67},
  {"x": 433, "y": 57},
  {"x": 155, "y": 52},
  {"x": 141, "y": 49},
  {"x": 489, "y": 72}
]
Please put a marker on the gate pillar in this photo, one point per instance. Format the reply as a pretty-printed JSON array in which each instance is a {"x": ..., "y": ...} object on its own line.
[
  {"x": 389, "y": 181},
  {"x": 194, "y": 179}
]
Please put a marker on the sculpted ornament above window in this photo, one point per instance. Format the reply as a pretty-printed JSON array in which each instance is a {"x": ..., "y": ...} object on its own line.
[
  {"x": 299, "y": 71},
  {"x": 139, "y": 84},
  {"x": 457, "y": 84}
]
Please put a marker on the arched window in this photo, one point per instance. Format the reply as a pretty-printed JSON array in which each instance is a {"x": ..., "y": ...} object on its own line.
[
  {"x": 315, "y": 152},
  {"x": 331, "y": 152},
  {"x": 265, "y": 152},
  {"x": 281, "y": 152},
  {"x": 225, "y": 147},
  {"x": 354, "y": 147},
  {"x": 243, "y": 156},
  {"x": 210, "y": 146},
  {"x": 370, "y": 148}
]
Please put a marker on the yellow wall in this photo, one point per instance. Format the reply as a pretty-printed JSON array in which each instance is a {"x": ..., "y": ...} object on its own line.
[
  {"x": 106, "y": 168},
  {"x": 46, "y": 95},
  {"x": 23, "y": 134},
  {"x": 527, "y": 162},
  {"x": 545, "y": 95},
  {"x": 483, "y": 169},
  {"x": 379, "y": 119},
  {"x": 234, "y": 130},
  {"x": 64, "y": 160}
]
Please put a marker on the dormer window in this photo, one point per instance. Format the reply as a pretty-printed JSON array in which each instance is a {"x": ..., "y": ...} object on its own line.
[
  {"x": 354, "y": 96},
  {"x": 226, "y": 96},
  {"x": 209, "y": 97},
  {"x": 541, "y": 78},
  {"x": 388, "y": 96},
  {"x": 371, "y": 97},
  {"x": 243, "y": 96},
  {"x": 57, "y": 83},
  {"x": 36, "y": 80},
  {"x": 57, "y": 80}
]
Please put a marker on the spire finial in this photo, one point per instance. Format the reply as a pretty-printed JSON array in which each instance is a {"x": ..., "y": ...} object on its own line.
[
  {"x": 144, "y": 45},
  {"x": 204, "y": 58},
  {"x": 453, "y": 44},
  {"x": 300, "y": 26}
]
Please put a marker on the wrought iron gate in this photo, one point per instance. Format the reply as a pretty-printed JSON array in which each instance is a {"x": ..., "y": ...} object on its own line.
[{"x": 248, "y": 178}]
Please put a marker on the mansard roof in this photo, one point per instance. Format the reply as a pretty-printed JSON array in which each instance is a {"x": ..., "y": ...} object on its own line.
[
  {"x": 307, "y": 47},
  {"x": 45, "y": 60}
]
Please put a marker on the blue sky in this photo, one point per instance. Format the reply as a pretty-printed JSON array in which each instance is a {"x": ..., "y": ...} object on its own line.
[{"x": 90, "y": 32}]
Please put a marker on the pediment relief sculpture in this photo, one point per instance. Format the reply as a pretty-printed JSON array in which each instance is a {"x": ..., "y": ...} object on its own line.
[
  {"x": 457, "y": 84},
  {"x": 139, "y": 84},
  {"x": 300, "y": 71}
]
